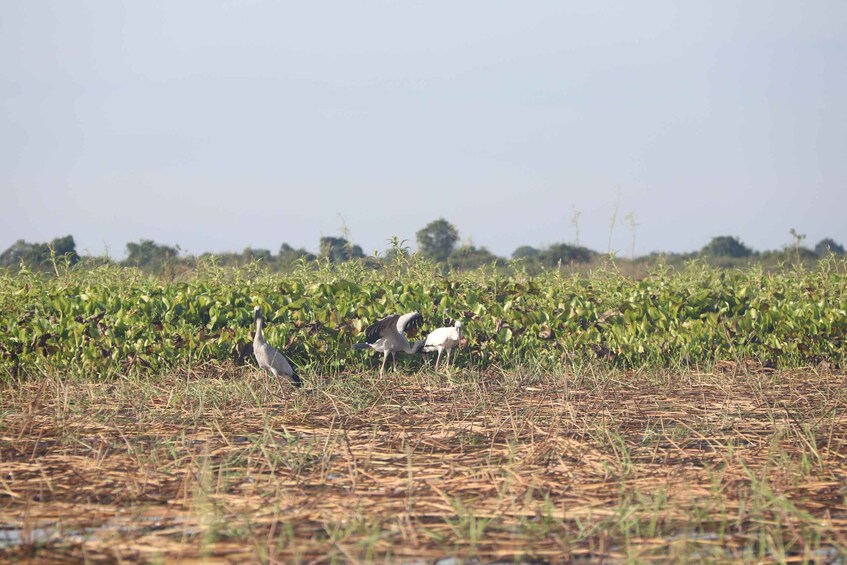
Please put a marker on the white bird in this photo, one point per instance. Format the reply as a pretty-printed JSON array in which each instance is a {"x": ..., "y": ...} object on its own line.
[
  {"x": 386, "y": 336},
  {"x": 444, "y": 339},
  {"x": 268, "y": 357}
]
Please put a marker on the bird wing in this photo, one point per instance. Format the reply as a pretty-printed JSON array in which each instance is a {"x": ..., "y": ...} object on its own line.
[
  {"x": 279, "y": 363},
  {"x": 410, "y": 320},
  {"x": 285, "y": 367},
  {"x": 437, "y": 337},
  {"x": 394, "y": 323},
  {"x": 378, "y": 329}
]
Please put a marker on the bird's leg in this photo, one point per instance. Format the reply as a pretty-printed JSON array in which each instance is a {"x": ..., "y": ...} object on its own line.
[
  {"x": 394, "y": 359},
  {"x": 437, "y": 359},
  {"x": 384, "y": 359},
  {"x": 447, "y": 364},
  {"x": 278, "y": 384},
  {"x": 266, "y": 382}
]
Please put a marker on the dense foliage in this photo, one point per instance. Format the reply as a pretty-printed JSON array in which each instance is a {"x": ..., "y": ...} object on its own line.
[
  {"x": 110, "y": 320},
  {"x": 40, "y": 254},
  {"x": 437, "y": 241}
]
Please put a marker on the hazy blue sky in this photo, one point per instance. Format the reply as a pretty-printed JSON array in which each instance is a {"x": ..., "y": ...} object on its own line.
[{"x": 218, "y": 125}]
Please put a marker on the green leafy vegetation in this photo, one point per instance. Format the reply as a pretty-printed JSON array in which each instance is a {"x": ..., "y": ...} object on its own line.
[{"x": 109, "y": 320}]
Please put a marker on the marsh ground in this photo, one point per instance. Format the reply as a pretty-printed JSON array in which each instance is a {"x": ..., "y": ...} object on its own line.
[{"x": 218, "y": 463}]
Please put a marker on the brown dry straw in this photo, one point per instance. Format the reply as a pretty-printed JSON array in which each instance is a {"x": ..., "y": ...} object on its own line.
[{"x": 210, "y": 464}]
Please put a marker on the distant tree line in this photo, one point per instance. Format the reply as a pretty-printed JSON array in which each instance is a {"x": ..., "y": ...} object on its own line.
[
  {"x": 36, "y": 255},
  {"x": 437, "y": 241}
]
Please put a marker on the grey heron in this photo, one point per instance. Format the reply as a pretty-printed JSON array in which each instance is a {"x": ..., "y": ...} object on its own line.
[
  {"x": 387, "y": 336},
  {"x": 268, "y": 357},
  {"x": 444, "y": 339}
]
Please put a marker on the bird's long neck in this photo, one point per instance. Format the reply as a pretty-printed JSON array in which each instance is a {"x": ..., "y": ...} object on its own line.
[
  {"x": 405, "y": 346},
  {"x": 415, "y": 347},
  {"x": 258, "y": 330}
]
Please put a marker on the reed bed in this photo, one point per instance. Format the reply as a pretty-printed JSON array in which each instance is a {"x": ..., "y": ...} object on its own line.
[{"x": 219, "y": 463}]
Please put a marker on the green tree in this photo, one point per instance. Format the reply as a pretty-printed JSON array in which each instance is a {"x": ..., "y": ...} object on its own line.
[
  {"x": 726, "y": 246},
  {"x": 263, "y": 255},
  {"x": 37, "y": 255},
  {"x": 827, "y": 246},
  {"x": 65, "y": 247},
  {"x": 147, "y": 254},
  {"x": 338, "y": 249},
  {"x": 288, "y": 255},
  {"x": 437, "y": 240},
  {"x": 223, "y": 259},
  {"x": 565, "y": 254},
  {"x": 32, "y": 254},
  {"x": 526, "y": 252},
  {"x": 470, "y": 257}
]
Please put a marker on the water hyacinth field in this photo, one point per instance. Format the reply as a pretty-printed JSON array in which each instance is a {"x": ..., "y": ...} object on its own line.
[
  {"x": 694, "y": 414},
  {"x": 112, "y": 320}
]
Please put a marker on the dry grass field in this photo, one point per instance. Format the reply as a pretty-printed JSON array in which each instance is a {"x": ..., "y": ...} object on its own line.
[{"x": 220, "y": 464}]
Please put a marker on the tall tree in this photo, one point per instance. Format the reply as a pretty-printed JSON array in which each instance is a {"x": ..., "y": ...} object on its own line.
[
  {"x": 263, "y": 255},
  {"x": 288, "y": 255},
  {"x": 565, "y": 254},
  {"x": 338, "y": 249},
  {"x": 149, "y": 254},
  {"x": 469, "y": 257},
  {"x": 827, "y": 246},
  {"x": 438, "y": 239},
  {"x": 726, "y": 246},
  {"x": 65, "y": 247},
  {"x": 526, "y": 252},
  {"x": 36, "y": 255}
]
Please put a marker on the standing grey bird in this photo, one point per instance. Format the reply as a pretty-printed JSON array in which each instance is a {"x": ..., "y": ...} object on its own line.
[
  {"x": 268, "y": 357},
  {"x": 444, "y": 339},
  {"x": 387, "y": 336}
]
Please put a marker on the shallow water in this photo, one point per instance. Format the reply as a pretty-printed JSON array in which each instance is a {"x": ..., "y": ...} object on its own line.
[{"x": 10, "y": 537}]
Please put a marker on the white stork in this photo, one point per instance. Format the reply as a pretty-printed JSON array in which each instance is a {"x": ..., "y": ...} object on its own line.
[
  {"x": 387, "y": 336},
  {"x": 268, "y": 357},
  {"x": 444, "y": 339}
]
